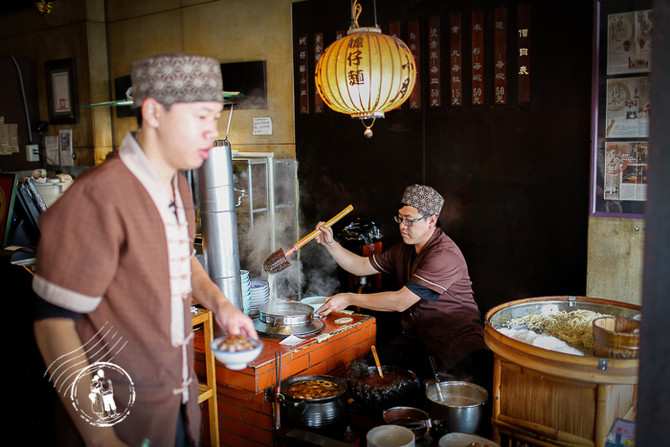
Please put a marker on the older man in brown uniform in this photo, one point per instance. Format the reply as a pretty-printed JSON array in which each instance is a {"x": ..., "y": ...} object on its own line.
[
  {"x": 439, "y": 313},
  {"x": 116, "y": 271}
]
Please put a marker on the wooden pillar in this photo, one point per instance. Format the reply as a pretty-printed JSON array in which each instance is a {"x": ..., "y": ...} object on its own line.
[{"x": 654, "y": 405}]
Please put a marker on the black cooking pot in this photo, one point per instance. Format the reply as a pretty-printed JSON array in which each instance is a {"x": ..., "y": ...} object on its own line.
[
  {"x": 398, "y": 387},
  {"x": 326, "y": 414}
]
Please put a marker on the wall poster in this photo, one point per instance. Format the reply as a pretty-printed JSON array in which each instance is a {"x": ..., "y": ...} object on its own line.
[{"x": 621, "y": 107}]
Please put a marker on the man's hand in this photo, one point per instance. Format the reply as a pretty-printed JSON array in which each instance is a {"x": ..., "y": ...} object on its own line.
[
  {"x": 233, "y": 321},
  {"x": 325, "y": 238},
  {"x": 335, "y": 303},
  {"x": 228, "y": 317}
]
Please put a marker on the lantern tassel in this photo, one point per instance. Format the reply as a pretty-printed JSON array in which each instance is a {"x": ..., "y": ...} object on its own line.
[{"x": 368, "y": 129}]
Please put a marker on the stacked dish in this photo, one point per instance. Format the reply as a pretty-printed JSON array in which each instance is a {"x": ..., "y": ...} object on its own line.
[
  {"x": 259, "y": 295},
  {"x": 246, "y": 291}
]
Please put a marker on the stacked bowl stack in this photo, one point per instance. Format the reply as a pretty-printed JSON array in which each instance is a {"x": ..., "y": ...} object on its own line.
[
  {"x": 260, "y": 294},
  {"x": 246, "y": 291}
]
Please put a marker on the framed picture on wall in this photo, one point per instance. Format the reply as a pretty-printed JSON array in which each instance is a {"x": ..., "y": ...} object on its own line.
[
  {"x": 62, "y": 91},
  {"x": 621, "y": 107}
]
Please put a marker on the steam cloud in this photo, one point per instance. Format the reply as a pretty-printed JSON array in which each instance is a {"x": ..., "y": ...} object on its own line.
[{"x": 312, "y": 271}]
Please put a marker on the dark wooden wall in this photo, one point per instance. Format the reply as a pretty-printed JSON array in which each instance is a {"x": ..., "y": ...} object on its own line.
[{"x": 515, "y": 177}]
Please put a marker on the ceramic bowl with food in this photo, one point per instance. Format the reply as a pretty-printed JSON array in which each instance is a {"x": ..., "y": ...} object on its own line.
[{"x": 236, "y": 351}]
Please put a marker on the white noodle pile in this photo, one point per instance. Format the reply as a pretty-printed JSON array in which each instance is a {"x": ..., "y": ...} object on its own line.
[
  {"x": 574, "y": 327},
  {"x": 539, "y": 340}
]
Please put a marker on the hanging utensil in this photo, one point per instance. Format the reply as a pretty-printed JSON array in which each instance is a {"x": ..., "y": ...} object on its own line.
[
  {"x": 278, "y": 395},
  {"x": 379, "y": 366},
  {"x": 437, "y": 379},
  {"x": 278, "y": 261}
]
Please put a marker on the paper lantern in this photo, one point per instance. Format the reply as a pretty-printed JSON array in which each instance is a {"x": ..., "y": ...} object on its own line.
[{"x": 366, "y": 73}]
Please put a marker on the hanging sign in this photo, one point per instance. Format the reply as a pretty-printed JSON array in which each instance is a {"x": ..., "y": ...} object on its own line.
[
  {"x": 500, "y": 55},
  {"x": 455, "y": 59},
  {"x": 318, "y": 51},
  {"x": 413, "y": 43},
  {"x": 434, "y": 72},
  {"x": 477, "y": 57},
  {"x": 523, "y": 43},
  {"x": 303, "y": 74}
]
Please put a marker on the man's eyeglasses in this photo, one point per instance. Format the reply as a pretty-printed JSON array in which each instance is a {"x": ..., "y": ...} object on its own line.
[{"x": 408, "y": 222}]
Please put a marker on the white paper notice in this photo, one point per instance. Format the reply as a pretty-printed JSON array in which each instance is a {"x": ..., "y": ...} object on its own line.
[
  {"x": 51, "y": 148},
  {"x": 262, "y": 126}
]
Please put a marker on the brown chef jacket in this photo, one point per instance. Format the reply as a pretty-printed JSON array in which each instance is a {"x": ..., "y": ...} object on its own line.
[
  {"x": 451, "y": 326},
  {"x": 104, "y": 253}
]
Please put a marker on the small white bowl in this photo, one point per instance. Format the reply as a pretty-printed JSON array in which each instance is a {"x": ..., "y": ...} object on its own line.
[
  {"x": 315, "y": 301},
  {"x": 390, "y": 436},
  {"x": 239, "y": 359}
]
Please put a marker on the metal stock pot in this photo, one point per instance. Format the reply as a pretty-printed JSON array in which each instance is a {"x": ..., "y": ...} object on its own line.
[{"x": 326, "y": 413}]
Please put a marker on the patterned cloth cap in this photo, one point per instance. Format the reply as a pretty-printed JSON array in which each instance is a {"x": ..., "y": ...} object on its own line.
[
  {"x": 423, "y": 198},
  {"x": 177, "y": 77}
]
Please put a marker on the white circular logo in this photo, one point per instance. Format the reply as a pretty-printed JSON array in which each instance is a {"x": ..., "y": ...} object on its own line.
[{"x": 100, "y": 404}]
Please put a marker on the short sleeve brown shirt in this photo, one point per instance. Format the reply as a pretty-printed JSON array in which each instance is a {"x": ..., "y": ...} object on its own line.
[
  {"x": 103, "y": 253},
  {"x": 450, "y": 326}
]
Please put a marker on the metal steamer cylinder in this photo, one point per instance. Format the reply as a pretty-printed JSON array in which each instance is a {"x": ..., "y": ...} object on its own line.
[{"x": 219, "y": 221}]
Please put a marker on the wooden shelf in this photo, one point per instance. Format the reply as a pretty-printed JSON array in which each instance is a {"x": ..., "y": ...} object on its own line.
[{"x": 207, "y": 390}]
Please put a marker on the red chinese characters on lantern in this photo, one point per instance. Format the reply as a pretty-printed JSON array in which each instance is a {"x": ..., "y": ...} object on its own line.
[{"x": 355, "y": 76}]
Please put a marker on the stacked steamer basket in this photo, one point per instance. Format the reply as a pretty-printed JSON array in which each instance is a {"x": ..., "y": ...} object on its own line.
[
  {"x": 260, "y": 294},
  {"x": 532, "y": 382},
  {"x": 246, "y": 291}
]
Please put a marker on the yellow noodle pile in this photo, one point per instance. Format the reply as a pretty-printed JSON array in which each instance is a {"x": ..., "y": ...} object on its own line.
[{"x": 572, "y": 327}]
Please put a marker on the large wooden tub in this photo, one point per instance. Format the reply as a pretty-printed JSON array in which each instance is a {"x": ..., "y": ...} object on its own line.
[{"x": 550, "y": 398}]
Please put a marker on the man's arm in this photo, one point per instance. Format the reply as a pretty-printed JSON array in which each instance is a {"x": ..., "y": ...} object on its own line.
[
  {"x": 397, "y": 301},
  {"x": 206, "y": 292},
  {"x": 58, "y": 341},
  {"x": 349, "y": 261}
]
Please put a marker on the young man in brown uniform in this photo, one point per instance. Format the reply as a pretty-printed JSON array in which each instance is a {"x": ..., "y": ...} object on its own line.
[
  {"x": 116, "y": 271},
  {"x": 439, "y": 313}
]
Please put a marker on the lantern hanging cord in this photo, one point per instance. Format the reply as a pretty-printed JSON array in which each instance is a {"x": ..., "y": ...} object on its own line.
[
  {"x": 371, "y": 123},
  {"x": 356, "y": 9}
]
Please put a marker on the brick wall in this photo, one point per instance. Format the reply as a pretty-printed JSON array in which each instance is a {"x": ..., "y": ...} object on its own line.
[{"x": 245, "y": 397}]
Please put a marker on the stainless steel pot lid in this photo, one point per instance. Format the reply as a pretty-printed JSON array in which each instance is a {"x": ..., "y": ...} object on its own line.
[
  {"x": 306, "y": 330},
  {"x": 281, "y": 318},
  {"x": 285, "y": 313}
]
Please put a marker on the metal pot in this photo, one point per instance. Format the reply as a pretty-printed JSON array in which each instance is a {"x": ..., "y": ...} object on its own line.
[
  {"x": 328, "y": 413},
  {"x": 398, "y": 387},
  {"x": 285, "y": 317},
  {"x": 462, "y": 405}
]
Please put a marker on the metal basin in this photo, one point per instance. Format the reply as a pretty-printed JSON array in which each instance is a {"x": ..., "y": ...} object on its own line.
[{"x": 462, "y": 405}]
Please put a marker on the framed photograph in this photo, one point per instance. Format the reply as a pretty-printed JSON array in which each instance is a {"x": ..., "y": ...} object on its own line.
[
  {"x": 62, "y": 91},
  {"x": 621, "y": 108},
  {"x": 8, "y": 184}
]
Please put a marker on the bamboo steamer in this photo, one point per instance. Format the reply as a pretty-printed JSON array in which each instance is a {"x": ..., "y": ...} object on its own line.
[
  {"x": 550, "y": 398},
  {"x": 587, "y": 368},
  {"x": 616, "y": 337}
]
